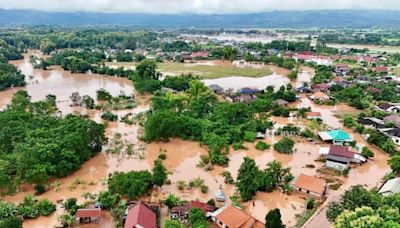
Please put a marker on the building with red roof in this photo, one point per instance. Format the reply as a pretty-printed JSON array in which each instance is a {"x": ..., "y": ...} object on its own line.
[{"x": 141, "y": 216}]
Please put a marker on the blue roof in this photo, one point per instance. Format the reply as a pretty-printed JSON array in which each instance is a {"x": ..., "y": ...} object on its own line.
[{"x": 339, "y": 135}]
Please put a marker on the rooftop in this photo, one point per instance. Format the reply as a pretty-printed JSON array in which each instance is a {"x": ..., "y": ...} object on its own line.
[
  {"x": 310, "y": 183},
  {"x": 141, "y": 215},
  {"x": 88, "y": 213}
]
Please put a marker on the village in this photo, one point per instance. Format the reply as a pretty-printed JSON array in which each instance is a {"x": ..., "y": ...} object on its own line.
[{"x": 327, "y": 117}]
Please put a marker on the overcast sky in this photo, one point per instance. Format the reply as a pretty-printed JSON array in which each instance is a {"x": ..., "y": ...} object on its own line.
[{"x": 195, "y": 6}]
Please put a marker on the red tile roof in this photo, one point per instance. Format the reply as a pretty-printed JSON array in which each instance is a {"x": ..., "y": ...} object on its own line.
[
  {"x": 341, "y": 151},
  {"x": 203, "y": 206},
  {"x": 88, "y": 213},
  {"x": 141, "y": 215}
]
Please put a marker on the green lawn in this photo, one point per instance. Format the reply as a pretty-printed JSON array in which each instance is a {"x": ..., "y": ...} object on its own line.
[{"x": 206, "y": 71}]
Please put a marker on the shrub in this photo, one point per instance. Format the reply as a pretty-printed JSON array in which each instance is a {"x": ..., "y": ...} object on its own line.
[
  {"x": 367, "y": 153},
  {"x": 249, "y": 136},
  {"x": 262, "y": 146},
  {"x": 45, "y": 207},
  {"x": 239, "y": 146},
  {"x": 228, "y": 177},
  {"x": 204, "y": 188},
  {"x": 211, "y": 202},
  {"x": 109, "y": 116},
  {"x": 285, "y": 146},
  {"x": 40, "y": 189},
  {"x": 181, "y": 185},
  {"x": 108, "y": 199},
  {"x": 310, "y": 203}
]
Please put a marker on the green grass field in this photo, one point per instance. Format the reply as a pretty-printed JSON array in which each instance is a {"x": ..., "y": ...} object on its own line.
[{"x": 205, "y": 71}]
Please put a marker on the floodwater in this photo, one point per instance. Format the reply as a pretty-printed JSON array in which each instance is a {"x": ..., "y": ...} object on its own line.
[
  {"x": 183, "y": 156},
  {"x": 236, "y": 82}
]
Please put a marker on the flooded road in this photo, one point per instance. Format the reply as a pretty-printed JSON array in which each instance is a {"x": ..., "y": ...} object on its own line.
[{"x": 183, "y": 156}]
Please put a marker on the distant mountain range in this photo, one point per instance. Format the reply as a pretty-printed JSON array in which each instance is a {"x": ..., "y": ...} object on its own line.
[{"x": 273, "y": 19}]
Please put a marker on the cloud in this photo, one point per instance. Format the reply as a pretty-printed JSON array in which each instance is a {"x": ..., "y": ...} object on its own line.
[{"x": 194, "y": 6}]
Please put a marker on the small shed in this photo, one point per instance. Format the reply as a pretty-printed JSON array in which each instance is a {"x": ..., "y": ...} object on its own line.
[{"x": 88, "y": 214}]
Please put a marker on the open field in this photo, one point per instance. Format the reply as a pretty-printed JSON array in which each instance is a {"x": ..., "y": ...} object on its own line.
[
  {"x": 206, "y": 71},
  {"x": 372, "y": 48}
]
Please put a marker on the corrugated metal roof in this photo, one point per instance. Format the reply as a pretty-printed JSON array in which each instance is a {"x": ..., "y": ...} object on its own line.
[{"x": 391, "y": 186}]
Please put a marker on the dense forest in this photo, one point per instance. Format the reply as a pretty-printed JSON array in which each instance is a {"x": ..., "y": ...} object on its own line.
[{"x": 36, "y": 145}]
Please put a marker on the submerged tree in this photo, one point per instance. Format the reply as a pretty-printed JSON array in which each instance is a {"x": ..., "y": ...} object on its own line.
[
  {"x": 247, "y": 179},
  {"x": 273, "y": 219}
]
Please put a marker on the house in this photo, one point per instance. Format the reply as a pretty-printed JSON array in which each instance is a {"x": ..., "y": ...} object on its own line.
[
  {"x": 319, "y": 96},
  {"x": 390, "y": 187},
  {"x": 248, "y": 90},
  {"x": 386, "y": 107},
  {"x": 232, "y": 217},
  {"x": 366, "y": 60},
  {"x": 339, "y": 157},
  {"x": 393, "y": 133},
  {"x": 280, "y": 102},
  {"x": 182, "y": 212},
  {"x": 309, "y": 57},
  {"x": 313, "y": 115},
  {"x": 371, "y": 122},
  {"x": 337, "y": 137},
  {"x": 310, "y": 185},
  {"x": 216, "y": 88},
  {"x": 320, "y": 87},
  {"x": 303, "y": 89},
  {"x": 199, "y": 55},
  {"x": 382, "y": 70},
  {"x": 363, "y": 79},
  {"x": 392, "y": 118},
  {"x": 88, "y": 214},
  {"x": 141, "y": 216},
  {"x": 341, "y": 69}
]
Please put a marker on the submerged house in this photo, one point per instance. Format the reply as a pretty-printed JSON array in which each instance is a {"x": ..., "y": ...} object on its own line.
[
  {"x": 337, "y": 137},
  {"x": 248, "y": 90},
  {"x": 393, "y": 118},
  {"x": 371, "y": 122},
  {"x": 319, "y": 96},
  {"x": 310, "y": 185},
  {"x": 339, "y": 157},
  {"x": 88, "y": 214},
  {"x": 280, "y": 102},
  {"x": 386, "y": 107},
  {"x": 216, "y": 88},
  {"x": 390, "y": 187},
  {"x": 232, "y": 217},
  {"x": 313, "y": 115},
  {"x": 182, "y": 212},
  {"x": 393, "y": 133}
]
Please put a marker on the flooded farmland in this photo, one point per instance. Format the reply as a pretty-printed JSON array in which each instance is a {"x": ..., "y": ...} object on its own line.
[{"x": 182, "y": 156}]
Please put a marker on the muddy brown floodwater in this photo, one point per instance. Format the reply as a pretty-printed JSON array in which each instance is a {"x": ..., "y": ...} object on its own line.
[{"x": 183, "y": 156}]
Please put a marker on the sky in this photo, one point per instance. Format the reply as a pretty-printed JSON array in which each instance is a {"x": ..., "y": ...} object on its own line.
[{"x": 194, "y": 6}]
